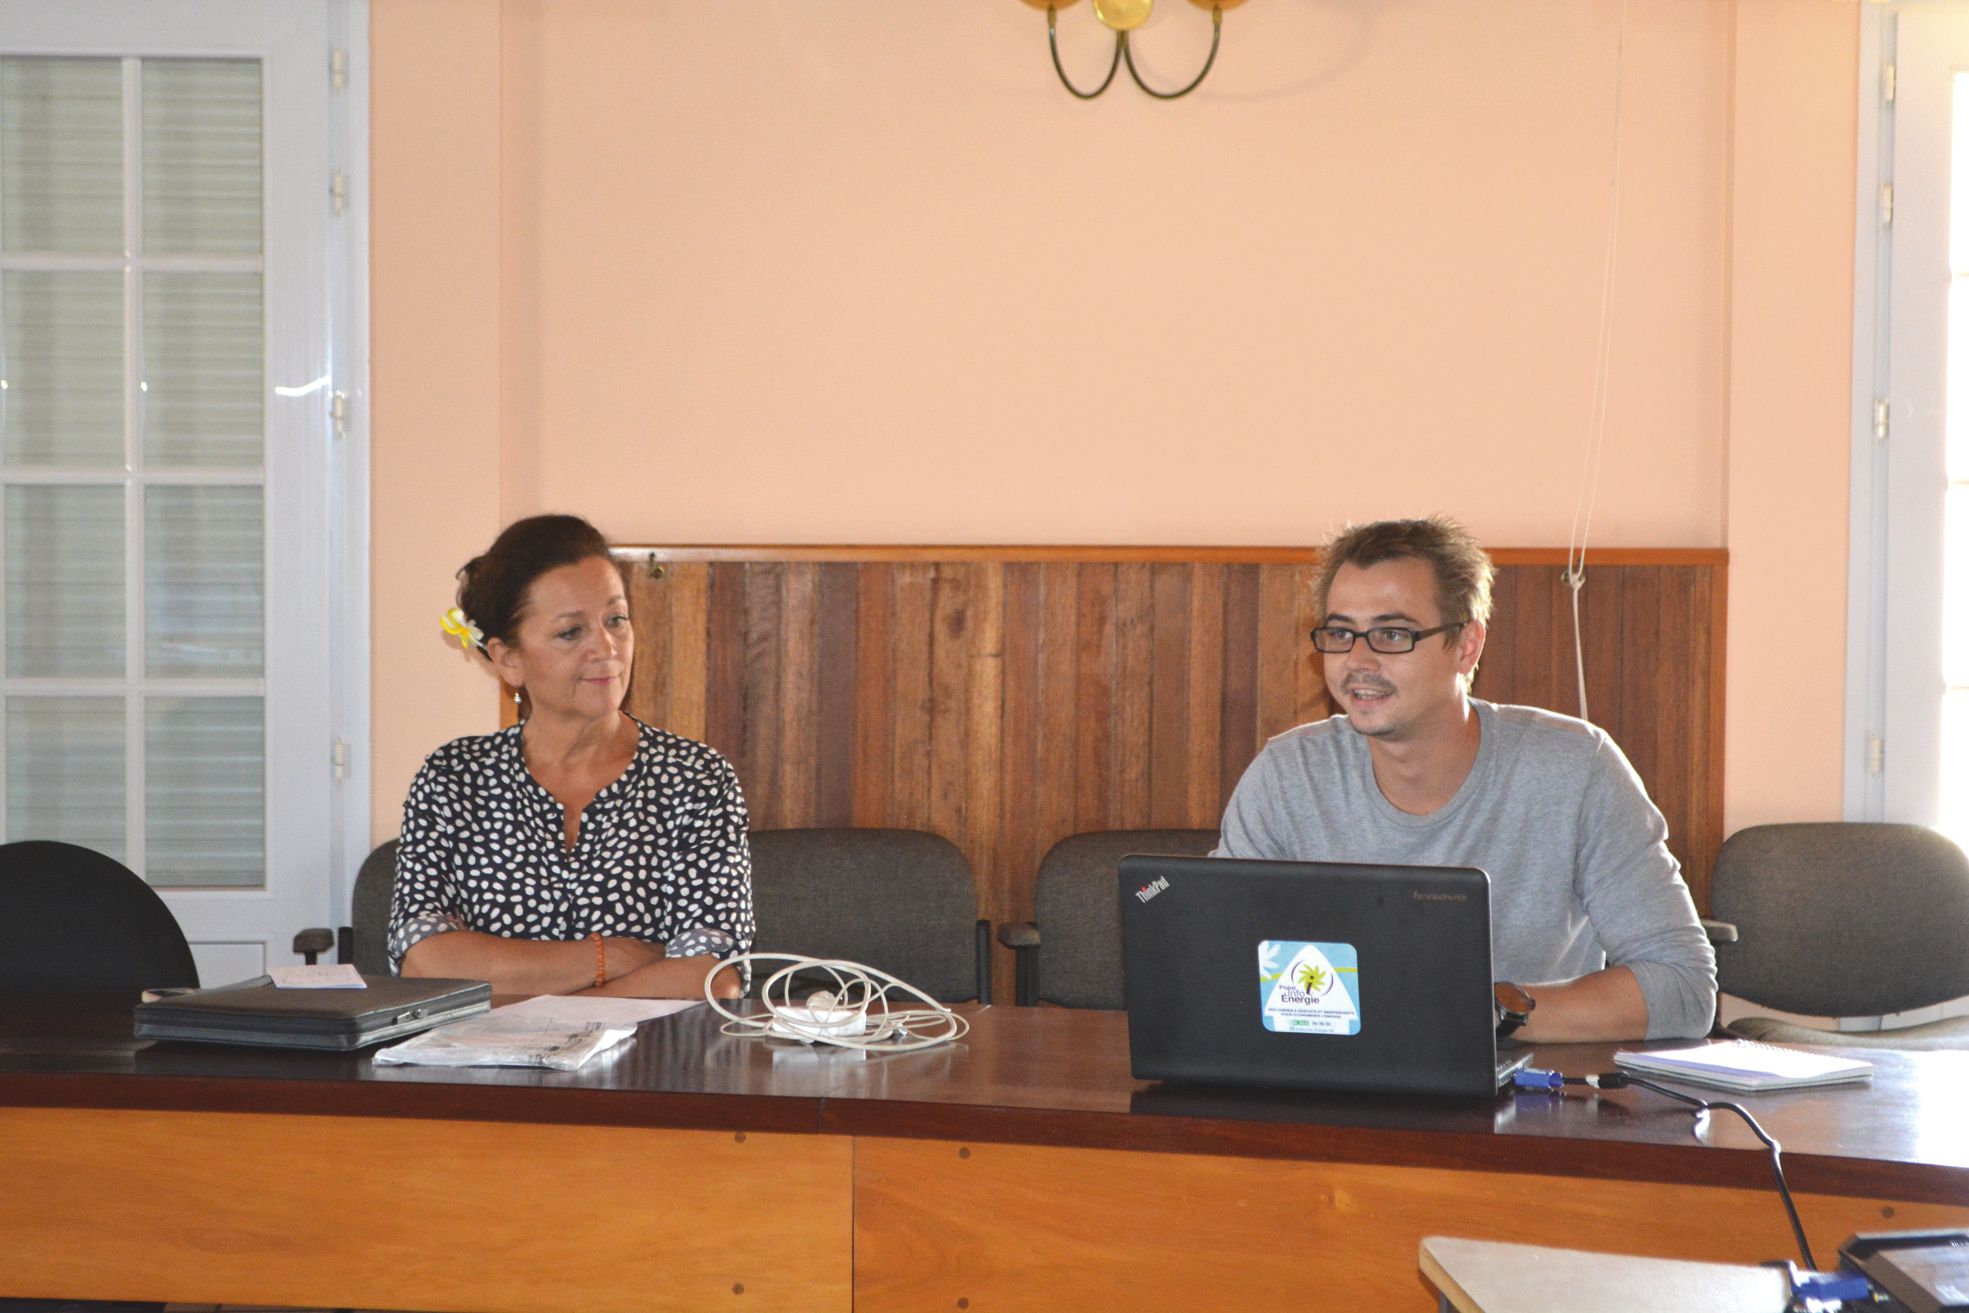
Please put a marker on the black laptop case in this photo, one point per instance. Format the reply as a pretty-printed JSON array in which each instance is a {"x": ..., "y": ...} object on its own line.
[{"x": 334, "y": 1019}]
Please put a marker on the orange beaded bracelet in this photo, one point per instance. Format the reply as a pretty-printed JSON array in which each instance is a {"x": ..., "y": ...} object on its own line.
[{"x": 601, "y": 959}]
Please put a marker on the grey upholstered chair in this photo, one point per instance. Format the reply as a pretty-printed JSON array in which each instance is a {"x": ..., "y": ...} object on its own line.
[
  {"x": 364, "y": 940},
  {"x": 903, "y": 901},
  {"x": 1071, "y": 953},
  {"x": 1844, "y": 919},
  {"x": 74, "y": 919}
]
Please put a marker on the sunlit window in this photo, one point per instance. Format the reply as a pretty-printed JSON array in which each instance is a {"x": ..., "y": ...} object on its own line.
[{"x": 1954, "y": 819}]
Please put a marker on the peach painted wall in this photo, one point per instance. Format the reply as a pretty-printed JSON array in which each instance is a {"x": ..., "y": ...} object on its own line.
[
  {"x": 862, "y": 271},
  {"x": 1791, "y": 363},
  {"x": 434, "y": 370}
]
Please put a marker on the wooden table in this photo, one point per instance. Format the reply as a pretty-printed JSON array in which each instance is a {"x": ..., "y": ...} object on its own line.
[{"x": 1022, "y": 1168}]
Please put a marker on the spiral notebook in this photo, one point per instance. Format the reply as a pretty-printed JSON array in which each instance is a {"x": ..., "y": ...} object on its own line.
[{"x": 1743, "y": 1065}]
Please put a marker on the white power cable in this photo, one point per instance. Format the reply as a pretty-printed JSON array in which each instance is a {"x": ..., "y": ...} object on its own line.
[
  {"x": 1596, "y": 423},
  {"x": 854, "y": 1014}
]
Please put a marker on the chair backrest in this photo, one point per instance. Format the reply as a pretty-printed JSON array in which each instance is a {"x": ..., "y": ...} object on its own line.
[
  {"x": 1843, "y": 919},
  {"x": 73, "y": 919},
  {"x": 1079, "y": 913},
  {"x": 900, "y": 900},
  {"x": 369, "y": 910}
]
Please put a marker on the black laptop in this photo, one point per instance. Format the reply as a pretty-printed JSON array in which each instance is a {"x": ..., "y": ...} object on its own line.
[
  {"x": 1311, "y": 975},
  {"x": 255, "y": 1012}
]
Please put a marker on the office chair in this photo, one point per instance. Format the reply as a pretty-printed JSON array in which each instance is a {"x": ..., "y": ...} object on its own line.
[
  {"x": 1071, "y": 953},
  {"x": 365, "y": 940},
  {"x": 900, "y": 900},
  {"x": 1844, "y": 919},
  {"x": 73, "y": 919}
]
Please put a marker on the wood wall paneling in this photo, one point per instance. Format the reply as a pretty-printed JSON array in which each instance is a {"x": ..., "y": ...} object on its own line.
[{"x": 1008, "y": 697}]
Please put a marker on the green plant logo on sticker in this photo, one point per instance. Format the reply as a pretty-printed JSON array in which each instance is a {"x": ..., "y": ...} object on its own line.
[{"x": 1309, "y": 988}]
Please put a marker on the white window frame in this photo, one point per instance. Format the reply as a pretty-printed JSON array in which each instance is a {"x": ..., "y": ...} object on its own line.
[
  {"x": 1889, "y": 772},
  {"x": 317, "y": 577},
  {"x": 1866, "y": 599},
  {"x": 1892, "y": 767}
]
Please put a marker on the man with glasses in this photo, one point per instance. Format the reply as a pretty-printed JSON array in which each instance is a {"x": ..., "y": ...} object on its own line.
[{"x": 1593, "y": 933}]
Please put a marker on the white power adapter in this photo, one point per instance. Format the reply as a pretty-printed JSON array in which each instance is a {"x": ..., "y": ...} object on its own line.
[
  {"x": 860, "y": 1013},
  {"x": 821, "y": 1017}
]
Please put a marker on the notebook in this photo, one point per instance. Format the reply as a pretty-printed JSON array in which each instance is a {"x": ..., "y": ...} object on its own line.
[
  {"x": 255, "y": 1012},
  {"x": 1740, "y": 1064},
  {"x": 1311, "y": 975}
]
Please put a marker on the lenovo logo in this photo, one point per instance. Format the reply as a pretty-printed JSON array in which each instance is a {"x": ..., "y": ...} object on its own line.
[{"x": 1421, "y": 897}]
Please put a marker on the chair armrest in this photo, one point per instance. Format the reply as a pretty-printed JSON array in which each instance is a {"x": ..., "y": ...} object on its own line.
[
  {"x": 1022, "y": 937},
  {"x": 1017, "y": 935},
  {"x": 313, "y": 942},
  {"x": 984, "y": 961},
  {"x": 1719, "y": 932}
]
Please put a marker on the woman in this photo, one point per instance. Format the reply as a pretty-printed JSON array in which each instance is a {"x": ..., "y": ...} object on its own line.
[{"x": 579, "y": 851}]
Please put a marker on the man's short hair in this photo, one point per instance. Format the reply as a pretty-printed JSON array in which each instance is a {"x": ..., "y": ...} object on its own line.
[{"x": 1463, "y": 569}]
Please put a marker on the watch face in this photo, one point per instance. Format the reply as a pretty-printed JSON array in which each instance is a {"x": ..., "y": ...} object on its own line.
[{"x": 1512, "y": 1001}]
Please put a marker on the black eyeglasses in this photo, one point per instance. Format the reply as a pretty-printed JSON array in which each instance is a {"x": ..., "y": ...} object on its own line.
[{"x": 1386, "y": 639}]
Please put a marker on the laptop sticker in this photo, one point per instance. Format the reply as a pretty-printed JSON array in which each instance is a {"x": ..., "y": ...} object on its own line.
[{"x": 1309, "y": 989}]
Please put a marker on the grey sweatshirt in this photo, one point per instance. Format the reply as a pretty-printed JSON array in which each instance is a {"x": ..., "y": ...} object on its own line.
[{"x": 1581, "y": 875}]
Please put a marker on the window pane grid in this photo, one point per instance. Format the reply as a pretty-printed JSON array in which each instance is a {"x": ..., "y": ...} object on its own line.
[
  {"x": 157, "y": 687},
  {"x": 177, "y": 717},
  {"x": 154, "y": 478},
  {"x": 64, "y": 766},
  {"x": 62, "y": 338},
  {"x": 150, "y": 264},
  {"x": 61, "y": 167}
]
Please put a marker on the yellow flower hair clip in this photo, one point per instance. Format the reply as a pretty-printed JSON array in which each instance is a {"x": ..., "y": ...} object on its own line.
[{"x": 459, "y": 626}]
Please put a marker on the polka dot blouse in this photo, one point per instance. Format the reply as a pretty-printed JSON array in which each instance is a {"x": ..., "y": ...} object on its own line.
[{"x": 662, "y": 853}]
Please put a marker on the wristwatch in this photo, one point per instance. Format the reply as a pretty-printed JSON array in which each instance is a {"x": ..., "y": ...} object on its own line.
[{"x": 1513, "y": 1007}]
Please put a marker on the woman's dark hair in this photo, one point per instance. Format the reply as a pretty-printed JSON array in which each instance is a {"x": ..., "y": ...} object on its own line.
[{"x": 492, "y": 587}]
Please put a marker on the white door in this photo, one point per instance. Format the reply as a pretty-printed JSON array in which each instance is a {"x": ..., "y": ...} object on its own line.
[
  {"x": 1923, "y": 461},
  {"x": 172, "y": 484}
]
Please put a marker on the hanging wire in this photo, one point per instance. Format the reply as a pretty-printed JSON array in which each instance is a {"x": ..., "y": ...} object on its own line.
[
  {"x": 1596, "y": 424},
  {"x": 1120, "y": 44},
  {"x": 1216, "y": 35}
]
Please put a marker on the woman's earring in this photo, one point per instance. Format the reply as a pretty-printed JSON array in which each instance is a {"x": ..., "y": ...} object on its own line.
[{"x": 516, "y": 697}]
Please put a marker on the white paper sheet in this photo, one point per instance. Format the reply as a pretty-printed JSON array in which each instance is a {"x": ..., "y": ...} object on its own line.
[
  {"x": 324, "y": 976},
  {"x": 586, "y": 1009},
  {"x": 495, "y": 1040}
]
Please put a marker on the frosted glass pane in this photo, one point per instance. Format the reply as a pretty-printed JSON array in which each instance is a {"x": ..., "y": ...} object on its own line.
[
  {"x": 201, "y": 156},
  {"x": 204, "y": 797},
  {"x": 1954, "y": 820},
  {"x": 1955, "y": 587},
  {"x": 65, "y": 771},
  {"x": 61, "y": 358},
  {"x": 64, "y": 581},
  {"x": 1955, "y": 422},
  {"x": 1959, "y": 170},
  {"x": 61, "y": 155},
  {"x": 202, "y": 369},
  {"x": 202, "y": 581}
]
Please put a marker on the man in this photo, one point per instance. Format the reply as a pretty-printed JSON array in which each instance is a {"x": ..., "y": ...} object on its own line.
[{"x": 1592, "y": 928}]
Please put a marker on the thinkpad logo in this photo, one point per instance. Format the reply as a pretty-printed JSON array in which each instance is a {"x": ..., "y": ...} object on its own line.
[{"x": 1152, "y": 888}]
